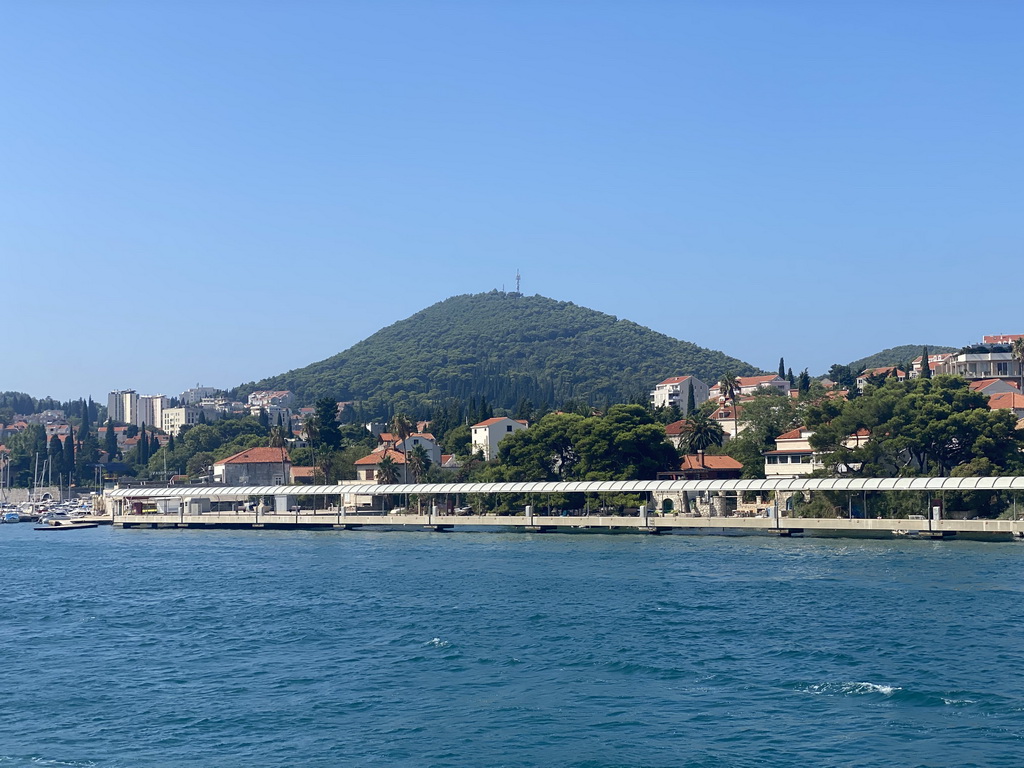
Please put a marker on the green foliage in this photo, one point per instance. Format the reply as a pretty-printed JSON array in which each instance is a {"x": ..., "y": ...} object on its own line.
[
  {"x": 624, "y": 444},
  {"x": 918, "y": 427},
  {"x": 504, "y": 348}
]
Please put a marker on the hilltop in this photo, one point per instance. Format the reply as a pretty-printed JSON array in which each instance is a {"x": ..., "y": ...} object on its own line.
[
  {"x": 897, "y": 356},
  {"x": 505, "y": 347}
]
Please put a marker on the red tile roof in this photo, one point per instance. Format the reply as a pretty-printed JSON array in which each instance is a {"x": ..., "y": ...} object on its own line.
[
  {"x": 793, "y": 434},
  {"x": 256, "y": 456},
  {"x": 1008, "y": 400},
  {"x": 710, "y": 462},
  {"x": 496, "y": 420},
  {"x": 377, "y": 457},
  {"x": 674, "y": 380}
]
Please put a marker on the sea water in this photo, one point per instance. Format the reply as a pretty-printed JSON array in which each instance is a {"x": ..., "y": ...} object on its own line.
[{"x": 264, "y": 648}]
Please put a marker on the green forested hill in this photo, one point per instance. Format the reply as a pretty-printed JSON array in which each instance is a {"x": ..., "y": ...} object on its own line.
[
  {"x": 504, "y": 347},
  {"x": 896, "y": 356}
]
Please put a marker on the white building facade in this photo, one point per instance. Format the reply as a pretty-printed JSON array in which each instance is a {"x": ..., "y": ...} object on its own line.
[{"x": 488, "y": 434}]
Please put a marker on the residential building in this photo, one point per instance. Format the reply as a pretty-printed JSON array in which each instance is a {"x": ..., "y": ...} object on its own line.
[
  {"x": 149, "y": 410},
  {"x": 935, "y": 361},
  {"x": 254, "y": 466},
  {"x": 172, "y": 420},
  {"x": 885, "y": 372},
  {"x": 730, "y": 419},
  {"x": 993, "y": 386},
  {"x": 122, "y": 405},
  {"x": 793, "y": 455},
  {"x": 488, "y": 434},
  {"x": 197, "y": 393},
  {"x": 675, "y": 391},
  {"x": 1003, "y": 338},
  {"x": 367, "y": 468},
  {"x": 423, "y": 440},
  {"x": 985, "y": 361},
  {"x": 750, "y": 385},
  {"x": 1010, "y": 401},
  {"x": 705, "y": 467},
  {"x": 267, "y": 398}
]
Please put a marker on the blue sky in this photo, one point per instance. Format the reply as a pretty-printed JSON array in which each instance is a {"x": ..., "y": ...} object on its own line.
[{"x": 219, "y": 191}]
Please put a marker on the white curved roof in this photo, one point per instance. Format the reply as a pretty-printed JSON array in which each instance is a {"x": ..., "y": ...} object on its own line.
[{"x": 592, "y": 486}]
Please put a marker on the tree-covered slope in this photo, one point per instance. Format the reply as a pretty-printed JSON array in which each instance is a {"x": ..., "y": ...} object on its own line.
[
  {"x": 896, "y": 356},
  {"x": 504, "y": 347}
]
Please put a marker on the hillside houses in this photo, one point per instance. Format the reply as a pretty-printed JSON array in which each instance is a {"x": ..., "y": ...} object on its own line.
[{"x": 675, "y": 391}]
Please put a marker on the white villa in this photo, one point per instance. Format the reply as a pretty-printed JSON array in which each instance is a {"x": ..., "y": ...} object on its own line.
[
  {"x": 489, "y": 433},
  {"x": 675, "y": 391}
]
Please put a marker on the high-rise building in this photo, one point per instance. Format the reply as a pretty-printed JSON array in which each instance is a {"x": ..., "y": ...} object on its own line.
[
  {"x": 149, "y": 410},
  {"x": 122, "y": 406}
]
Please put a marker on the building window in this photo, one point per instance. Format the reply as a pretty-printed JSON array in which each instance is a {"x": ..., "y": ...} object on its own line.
[{"x": 508, "y": 428}]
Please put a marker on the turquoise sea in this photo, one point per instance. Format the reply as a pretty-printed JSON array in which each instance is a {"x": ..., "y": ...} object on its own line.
[{"x": 265, "y": 648}]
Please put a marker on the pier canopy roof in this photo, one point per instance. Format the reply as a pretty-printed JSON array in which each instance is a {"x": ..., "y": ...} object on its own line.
[{"x": 931, "y": 484}]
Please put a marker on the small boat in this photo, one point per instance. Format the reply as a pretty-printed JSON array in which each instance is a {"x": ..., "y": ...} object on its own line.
[
  {"x": 11, "y": 517},
  {"x": 64, "y": 525}
]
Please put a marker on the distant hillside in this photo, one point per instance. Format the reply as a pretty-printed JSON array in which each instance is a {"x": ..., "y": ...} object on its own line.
[
  {"x": 896, "y": 356},
  {"x": 505, "y": 347}
]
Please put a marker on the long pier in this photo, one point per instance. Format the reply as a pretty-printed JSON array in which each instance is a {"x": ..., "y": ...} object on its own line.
[
  {"x": 653, "y": 524},
  {"x": 190, "y": 507}
]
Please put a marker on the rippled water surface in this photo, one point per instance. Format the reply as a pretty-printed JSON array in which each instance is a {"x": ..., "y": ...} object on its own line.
[{"x": 237, "y": 648}]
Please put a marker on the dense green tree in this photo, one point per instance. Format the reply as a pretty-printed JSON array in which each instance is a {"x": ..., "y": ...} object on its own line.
[
  {"x": 110, "y": 441},
  {"x": 326, "y": 413},
  {"x": 1017, "y": 350},
  {"x": 920, "y": 426},
  {"x": 782, "y": 368},
  {"x": 803, "y": 382},
  {"x": 691, "y": 404}
]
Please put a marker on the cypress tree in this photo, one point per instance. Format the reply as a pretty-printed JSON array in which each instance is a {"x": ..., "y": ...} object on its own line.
[
  {"x": 69, "y": 454},
  {"x": 691, "y": 403},
  {"x": 782, "y": 367},
  {"x": 110, "y": 441},
  {"x": 792, "y": 380},
  {"x": 142, "y": 450},
  {"x": 926, "y": 370},
  {"x": 170, "y": 442},
  {"x": 55, "y": 452}
]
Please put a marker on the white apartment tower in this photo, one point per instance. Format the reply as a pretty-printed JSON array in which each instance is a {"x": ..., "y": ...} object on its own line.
[{"x": 122, "y": 406}]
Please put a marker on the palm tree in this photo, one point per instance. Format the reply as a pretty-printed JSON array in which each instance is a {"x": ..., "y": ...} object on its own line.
[
  {"x": 417, "y": 462},
  {"x": 700, "y": 433},
  {"x": 401, "y": 426},
  {"x": 387, "y": 472},
  {"x": 1017, "y": 350},
  {"x": 729, "y": 386}
]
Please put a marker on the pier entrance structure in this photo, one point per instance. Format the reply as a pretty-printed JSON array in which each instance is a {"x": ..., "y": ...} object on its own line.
[{"x": 440, "y": 505}]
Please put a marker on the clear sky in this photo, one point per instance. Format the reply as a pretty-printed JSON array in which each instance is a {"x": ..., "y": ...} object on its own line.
[{"x": 217, "y": 191}]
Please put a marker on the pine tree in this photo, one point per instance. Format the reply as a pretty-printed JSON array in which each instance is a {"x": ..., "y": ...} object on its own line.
[
  {"x": 926, "y": 369},
  {"x": 782, "y": 368}
]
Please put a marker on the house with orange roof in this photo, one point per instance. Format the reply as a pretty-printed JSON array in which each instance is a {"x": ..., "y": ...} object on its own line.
[
  {"x": 423, "y": 440},
  {"x": 751, "y": 385},
  {"x": 675, "y": 391},
  {"x": 254, "y": 466},
  {"x": 993, "y": 387},
  {"x": 1009, "y": 401},
  {"x": 730, "y": 419},
  {"x": 935, "y": 362},
  {"x": 368, "y": 467},
  {"x": 884, "y": 372},
  {"x": 488, "y": 434}
]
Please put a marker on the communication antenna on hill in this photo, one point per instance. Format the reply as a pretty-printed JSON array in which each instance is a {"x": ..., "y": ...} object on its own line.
[{"x": 517, "y": 280}]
